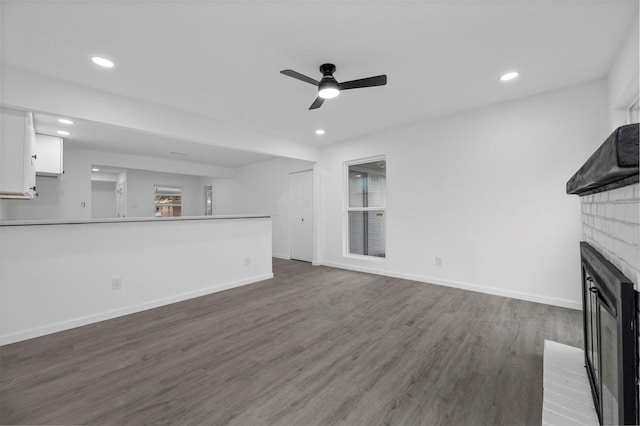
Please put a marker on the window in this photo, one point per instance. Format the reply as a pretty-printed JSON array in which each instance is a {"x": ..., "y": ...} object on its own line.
[
  {"x": 366, "y": 211},
  {"x": 168, "y": 201},
  {"x": 208, "y": 200}
]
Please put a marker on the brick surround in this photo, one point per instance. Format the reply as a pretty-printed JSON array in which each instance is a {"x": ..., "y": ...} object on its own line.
[{"x": 611, "y": 224}]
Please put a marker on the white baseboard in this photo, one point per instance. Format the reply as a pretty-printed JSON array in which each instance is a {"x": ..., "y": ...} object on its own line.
[
  {"x": 281, "y": 256},
  {"x": 564, "y": 303},
  {"x": 90, "y": 319}
]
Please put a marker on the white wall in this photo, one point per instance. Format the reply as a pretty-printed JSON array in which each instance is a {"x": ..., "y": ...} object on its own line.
[
  {"x": 484, "y": 190},
  {"x": 231, "y": 197},
  {"x": 3, "y": 211},
  {"x": 261, "y": 188},
  {"x": 63, "y": 197},
  {"x": 624, "y": 77},
  {"x": 56, "y": 277}
]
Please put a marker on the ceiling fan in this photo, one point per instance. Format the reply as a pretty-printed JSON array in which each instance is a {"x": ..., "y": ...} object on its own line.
[{"x": 328, "y": 86}]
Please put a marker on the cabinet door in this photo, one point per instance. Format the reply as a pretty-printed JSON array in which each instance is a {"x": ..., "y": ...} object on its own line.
[
  {"x": 30, "y": 155},
  {"x": 17, "y": 173},
  {"x": 48, "y": 155}
]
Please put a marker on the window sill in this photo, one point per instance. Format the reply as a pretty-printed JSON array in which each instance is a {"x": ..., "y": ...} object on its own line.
[{"x": 363, "y": 257}]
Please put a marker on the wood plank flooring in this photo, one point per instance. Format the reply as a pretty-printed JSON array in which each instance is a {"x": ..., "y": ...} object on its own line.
[{"x": 313, "y": 346}]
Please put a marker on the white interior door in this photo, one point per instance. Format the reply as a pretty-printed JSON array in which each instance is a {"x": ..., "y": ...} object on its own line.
[{"x": 301, "y": 189}]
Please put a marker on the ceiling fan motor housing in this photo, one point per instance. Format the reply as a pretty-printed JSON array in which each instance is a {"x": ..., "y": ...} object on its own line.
[{"x": 327, "y": 69}]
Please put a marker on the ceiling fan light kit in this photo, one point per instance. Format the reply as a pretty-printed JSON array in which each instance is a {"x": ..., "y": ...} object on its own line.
[
  {"x": 328, "y": 86},
  {"x": 329, "y": 90}
]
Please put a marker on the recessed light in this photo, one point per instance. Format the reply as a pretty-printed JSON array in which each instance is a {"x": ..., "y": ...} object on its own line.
[
  {"x": 509, "y": 76},
  {"x": 320, "y": 132},
  {"x": 103, "y": 62},
  {"x": 64, "y": 121},
  {"x": 62, "y": 132},
  {"x": 95, "y": 170}
]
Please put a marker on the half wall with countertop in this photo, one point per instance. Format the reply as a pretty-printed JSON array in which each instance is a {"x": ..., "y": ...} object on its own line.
[{"x": 60, "y": 274}]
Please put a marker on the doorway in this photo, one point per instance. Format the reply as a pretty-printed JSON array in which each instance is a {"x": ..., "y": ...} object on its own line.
[
  {"x": 108, "y": 192},
  {"x": 301, "y": 191},
  {"x": 103, "y": 199},
  {"x": 121, "y": 194}
]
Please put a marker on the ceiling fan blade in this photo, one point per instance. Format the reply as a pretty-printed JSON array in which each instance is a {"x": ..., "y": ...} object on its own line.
[
  {"x": 379, "y": 80},
  {"x": 317, "y": 103},
  {"x": 298, "y": 76}
]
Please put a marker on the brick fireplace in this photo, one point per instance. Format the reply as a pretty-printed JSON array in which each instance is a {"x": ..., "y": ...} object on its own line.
[
  {"x": 611, "y": 224},
  {"x": 610, "y": 258}
]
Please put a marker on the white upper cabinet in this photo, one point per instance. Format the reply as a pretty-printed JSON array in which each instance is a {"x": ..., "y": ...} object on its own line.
[
  {"x": 17, "y": 147},
  {"x": 48, "y": 159}
]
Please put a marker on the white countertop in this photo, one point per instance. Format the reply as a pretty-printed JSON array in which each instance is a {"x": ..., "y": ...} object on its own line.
[{"x": 128, "y": 219}]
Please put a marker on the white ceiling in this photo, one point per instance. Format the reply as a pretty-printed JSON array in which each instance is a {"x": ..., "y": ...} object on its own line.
[
  {"x": 222, "y": 59},
  {"x": 103, "y": 137}
]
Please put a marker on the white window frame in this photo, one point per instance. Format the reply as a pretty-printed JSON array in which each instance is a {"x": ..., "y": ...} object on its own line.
[
  {"x": 346, "y": 209},
  {"x": 208, "y": 200},
  {"x": 633, "y": 111}
]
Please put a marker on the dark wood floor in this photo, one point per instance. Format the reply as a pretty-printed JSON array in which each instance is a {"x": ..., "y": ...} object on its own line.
[{"x": 313, "y": 346}]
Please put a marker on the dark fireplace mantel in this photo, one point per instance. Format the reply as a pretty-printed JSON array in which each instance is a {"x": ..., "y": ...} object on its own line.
[{"x": 613, "y": 165}]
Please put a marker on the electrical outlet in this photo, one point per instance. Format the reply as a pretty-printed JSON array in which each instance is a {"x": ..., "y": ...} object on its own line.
[
  {"x": 247, "y": 261},
  {"x": 116, "y": 283},
  {"x": 438, "y": 261}
]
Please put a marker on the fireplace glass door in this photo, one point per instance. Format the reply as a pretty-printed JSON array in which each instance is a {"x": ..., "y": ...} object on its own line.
[
  {"x": 610, "y": 338},
  {"x": 601, "y": 340},
  {"x": 609, "y": 367},
  {"x": 591, "y": 331}
]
